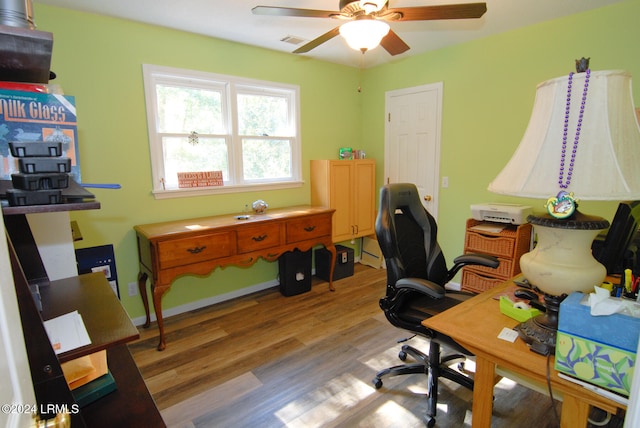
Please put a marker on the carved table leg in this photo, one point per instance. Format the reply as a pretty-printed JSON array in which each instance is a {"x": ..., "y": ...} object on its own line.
[
  {"x": 142, "y": 287},
  {"x": 158, "y": 292},
  {"x": 332, "y": 265}
]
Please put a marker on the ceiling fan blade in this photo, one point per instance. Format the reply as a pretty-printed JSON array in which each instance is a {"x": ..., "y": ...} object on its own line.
[
  {"x": 318, "y": 41},
  {"x": 451, "y": 11},
  {"x": 289, "y": 11},
  {"x": 393, "y": 44}
]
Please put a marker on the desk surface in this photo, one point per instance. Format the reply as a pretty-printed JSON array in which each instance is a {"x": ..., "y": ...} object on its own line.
[
  {"x": 476, "y": 324},
  {"x": 104, "y": 317}
]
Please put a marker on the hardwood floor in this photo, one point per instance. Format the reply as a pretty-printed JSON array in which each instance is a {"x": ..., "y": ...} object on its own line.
[{"x": 305, "y": 361}]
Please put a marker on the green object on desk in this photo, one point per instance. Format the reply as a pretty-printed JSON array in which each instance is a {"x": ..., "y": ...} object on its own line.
[
  {"x": 94, "y": 390},
  {"x": 507, "y": 307}
]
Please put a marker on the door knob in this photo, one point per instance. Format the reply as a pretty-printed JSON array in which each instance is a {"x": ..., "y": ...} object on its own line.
[{"x": 427, "y": 198}]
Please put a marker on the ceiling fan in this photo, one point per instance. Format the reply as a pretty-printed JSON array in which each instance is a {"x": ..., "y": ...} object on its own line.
[{"x": 375, "y": 11}]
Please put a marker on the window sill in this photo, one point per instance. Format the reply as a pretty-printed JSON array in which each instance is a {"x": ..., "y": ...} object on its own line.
[{"x": 186, "y": 193}]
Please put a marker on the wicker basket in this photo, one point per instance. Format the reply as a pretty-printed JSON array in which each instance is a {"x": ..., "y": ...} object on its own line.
[
  {"x": 510, "y": 241},
  {"x": 505, "y": 270},
  {"x": 477, "y": 283},
  {"x": 507, "y": 243}
]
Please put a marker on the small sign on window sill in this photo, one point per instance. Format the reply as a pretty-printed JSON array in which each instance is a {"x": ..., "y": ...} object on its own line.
[{"x": 188, "y": 180}]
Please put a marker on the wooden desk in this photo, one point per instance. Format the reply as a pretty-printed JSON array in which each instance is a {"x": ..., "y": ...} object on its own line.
[
  {"x": 475, "y": 324},
  {"x": 197, "y": 246}
]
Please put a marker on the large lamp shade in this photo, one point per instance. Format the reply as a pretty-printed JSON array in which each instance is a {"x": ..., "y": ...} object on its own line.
[{"x": 607, "y": 161}]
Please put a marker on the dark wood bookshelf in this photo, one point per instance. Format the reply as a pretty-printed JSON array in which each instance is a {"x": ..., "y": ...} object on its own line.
[{"x": 106, "y": 321}]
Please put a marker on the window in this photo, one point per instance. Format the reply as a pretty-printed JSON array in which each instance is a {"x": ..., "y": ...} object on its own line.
[{"x": 202, "y": 125}]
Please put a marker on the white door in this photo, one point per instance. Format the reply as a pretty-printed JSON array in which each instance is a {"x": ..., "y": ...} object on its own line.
[
  {"x": 412, "y": 140},
  {"x": 16, "y": 394}
]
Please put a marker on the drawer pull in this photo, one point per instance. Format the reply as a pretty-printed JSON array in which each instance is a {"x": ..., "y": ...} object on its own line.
[
  {"x": 309, "y": 228},
  {"x": 259, "y": 238},
  {"x": 196, "y": 250}
]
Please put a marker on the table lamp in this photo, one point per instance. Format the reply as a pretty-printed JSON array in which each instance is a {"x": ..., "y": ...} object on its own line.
[{"x": 582, "y": 143}]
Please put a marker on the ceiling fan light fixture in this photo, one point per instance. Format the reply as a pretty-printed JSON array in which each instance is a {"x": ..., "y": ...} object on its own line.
[
  {"x": 370, "y": 6},
  {"x": 364, "y": 34}
]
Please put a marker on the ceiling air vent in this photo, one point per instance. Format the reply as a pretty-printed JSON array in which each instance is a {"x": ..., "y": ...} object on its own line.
[{"x": 294, "y": 40}]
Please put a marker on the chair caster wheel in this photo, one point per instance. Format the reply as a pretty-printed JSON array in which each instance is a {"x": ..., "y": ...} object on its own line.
[
  {"x": 402, "y": 355},
  {"x": 377, "y": 383},
  {"x": 431, "y": 423}
]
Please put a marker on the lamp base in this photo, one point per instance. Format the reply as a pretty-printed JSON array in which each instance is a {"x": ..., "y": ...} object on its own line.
[
  {"x": 540, "y": 332},
  {"x": 562, "y": 261}
]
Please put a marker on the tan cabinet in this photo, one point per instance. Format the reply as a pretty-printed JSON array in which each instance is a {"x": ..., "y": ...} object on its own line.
[
  {"x": 349, "y": 187},
  {"x": 507, "y": 242}
]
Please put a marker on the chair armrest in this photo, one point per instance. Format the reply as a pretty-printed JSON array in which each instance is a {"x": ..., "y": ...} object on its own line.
[
  {"x": 477, "y": 259},
  {"x": 472, "y": 259},
  {"x": 422, "y": 286}
]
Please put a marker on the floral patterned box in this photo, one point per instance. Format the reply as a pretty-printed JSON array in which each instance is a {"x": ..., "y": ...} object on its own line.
[{"x": 597, "y": 349}]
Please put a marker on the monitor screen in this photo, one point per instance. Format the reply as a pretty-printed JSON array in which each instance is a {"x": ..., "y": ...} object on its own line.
[{"x": 614, "y": 253}]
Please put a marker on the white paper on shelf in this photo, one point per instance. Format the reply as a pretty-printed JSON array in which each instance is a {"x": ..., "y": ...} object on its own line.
[
  {"x": 486, "y": 227},
  {"x": 67, "y": 332}
]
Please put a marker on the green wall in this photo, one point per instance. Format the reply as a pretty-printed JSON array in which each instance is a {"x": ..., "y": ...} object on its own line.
[
  {"x": 489, "y": 87},
  {"x": 99, "y": 61}
]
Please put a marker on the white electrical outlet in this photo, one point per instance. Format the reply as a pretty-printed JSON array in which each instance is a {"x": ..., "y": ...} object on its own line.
[{"x": 133, "y": 289}]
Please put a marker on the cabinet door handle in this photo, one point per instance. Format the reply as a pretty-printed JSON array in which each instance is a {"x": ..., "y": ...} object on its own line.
[
  {"x": 196, "y": 250},
  {"x": 309, "y": 228},
  {"x": 259, "y": 238}
]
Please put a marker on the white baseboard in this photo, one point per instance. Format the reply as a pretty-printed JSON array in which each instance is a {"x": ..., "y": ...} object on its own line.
[
  {"x": 455, "y": 286},
  {"x": 166, "y": 313}
]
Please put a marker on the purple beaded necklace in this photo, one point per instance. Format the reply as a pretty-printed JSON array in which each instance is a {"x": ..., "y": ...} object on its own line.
[
  {"x": 561, "y": 181},
  {"x": 564, "y": 205}
]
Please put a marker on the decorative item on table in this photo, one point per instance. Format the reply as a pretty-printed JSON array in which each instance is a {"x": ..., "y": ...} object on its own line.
[
  {"x": 359, "y": 154},
  {"x": 567, "y": 139},
  {"x": 259, "y": 206},
  {"x": 346, "y": 153}
]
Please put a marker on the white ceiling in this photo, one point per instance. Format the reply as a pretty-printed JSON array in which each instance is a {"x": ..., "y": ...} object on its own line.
[{"x": 233, "y": 20}]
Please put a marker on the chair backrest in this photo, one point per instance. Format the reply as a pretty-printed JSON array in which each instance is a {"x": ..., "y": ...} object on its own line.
[{"x": 407, "y": 235}]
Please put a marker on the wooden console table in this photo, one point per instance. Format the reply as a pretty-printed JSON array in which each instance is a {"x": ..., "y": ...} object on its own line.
[{"x": 198, "y": 246}]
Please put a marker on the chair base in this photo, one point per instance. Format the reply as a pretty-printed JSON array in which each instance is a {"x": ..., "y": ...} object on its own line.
[{"x": 434, "y": 366}]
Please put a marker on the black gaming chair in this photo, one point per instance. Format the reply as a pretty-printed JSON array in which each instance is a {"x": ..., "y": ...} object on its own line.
[{"x": 416, "y": 275}]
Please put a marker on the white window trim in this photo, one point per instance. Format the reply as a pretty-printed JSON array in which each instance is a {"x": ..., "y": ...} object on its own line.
[{"x": 153, "y": 74}]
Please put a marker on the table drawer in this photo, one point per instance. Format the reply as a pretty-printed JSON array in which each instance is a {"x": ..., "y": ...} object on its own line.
[
  {"x": 489, "y": 244},
  {"x": 506, "y": 269},
  {"x": 308, "y": 228},
  {"x": 477, "y": 282},
  {"x": 258, "y": 237},
  {"x": 194, "y": 249}
]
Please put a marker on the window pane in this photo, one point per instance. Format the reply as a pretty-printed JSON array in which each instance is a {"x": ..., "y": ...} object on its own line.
[
  {"x": 263, "y": 115},
  {"x": 208, "y": 154},
  {"x": 263, "y": 159},
  {"x": 184, "y": 110}
]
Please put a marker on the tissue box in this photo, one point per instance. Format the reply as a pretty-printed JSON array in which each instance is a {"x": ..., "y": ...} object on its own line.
[{"x": 597, "y": 349}]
